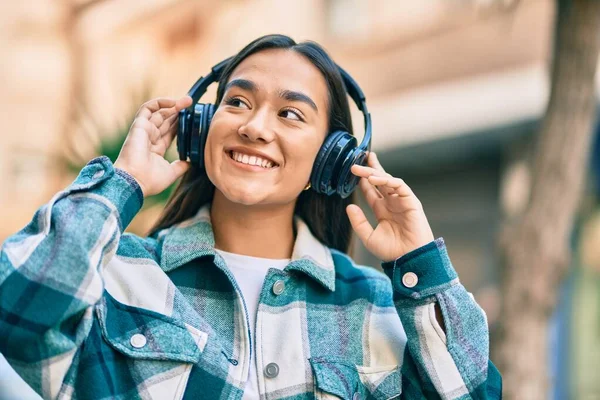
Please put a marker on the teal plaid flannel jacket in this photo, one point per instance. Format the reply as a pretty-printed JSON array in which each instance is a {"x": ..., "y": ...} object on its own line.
[{"x": 90, "y": 312}]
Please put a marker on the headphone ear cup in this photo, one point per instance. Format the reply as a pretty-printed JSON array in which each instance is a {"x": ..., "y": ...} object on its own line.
[
  {"x": 329, "y": 161},
  {"x": 183, "y": 134},
  {"x": 347, "y": 181},
  {"x": 200, "y": 122},
  {"x": 319, "y": 164},
  {"x": 207, "y": 115}
]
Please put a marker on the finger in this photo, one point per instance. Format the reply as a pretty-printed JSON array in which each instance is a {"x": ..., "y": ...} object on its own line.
[
  {"x": 179, "y": 168},
  {"x": 174, "y": 106},
  {"x": 141, "y": 124},
  {"x": 183, "y": 102},
  {"x": 170, "y": 131},
  {"x": 359, "y": 223},
  {"x": 390, "y": 186},
  {"x": 364, "y": 171},
  {"x": 154, "y": 105},
  {"x": 168, "y": 126},
  {"x": 373, "y": 162},
  {"x": 159, "y": 117},
  {"x": 380, "y": 182},
  {"x": 370, "y": 192}
]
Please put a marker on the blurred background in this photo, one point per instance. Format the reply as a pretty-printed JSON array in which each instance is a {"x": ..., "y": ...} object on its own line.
[{"x": 459, "y": 92}]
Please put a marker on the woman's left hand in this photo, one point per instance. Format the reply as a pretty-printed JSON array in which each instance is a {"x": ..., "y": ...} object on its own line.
[{"x": 401, "y": 222}]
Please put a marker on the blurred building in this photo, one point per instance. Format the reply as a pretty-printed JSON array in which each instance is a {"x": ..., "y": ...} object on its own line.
[
  {"x": 455, "y": 89},
  {"x": 452, "y": 86}
]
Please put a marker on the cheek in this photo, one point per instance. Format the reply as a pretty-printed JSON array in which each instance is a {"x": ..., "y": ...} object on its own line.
[
  {"x": 304, "y": 154},
  {"x": 212, "y": 147},
  {"x": 220, "y": 126},
  {"x": 208, "y": 153}
]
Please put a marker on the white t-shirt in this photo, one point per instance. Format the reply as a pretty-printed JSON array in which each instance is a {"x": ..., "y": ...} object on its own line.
[{"x": 250, "y": 274}]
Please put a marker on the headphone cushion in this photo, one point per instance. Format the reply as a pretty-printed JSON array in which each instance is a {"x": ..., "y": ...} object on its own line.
[
  {"x": 207, "y": 113},
  {"x": 333, "y": 152},
  {"x": 322, "y": 156},
  {"x": 347, "y": 181},
  {"x": 183, "y": 134}
]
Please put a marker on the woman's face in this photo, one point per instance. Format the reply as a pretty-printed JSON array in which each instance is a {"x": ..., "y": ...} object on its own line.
[{"x": 267, "y": 130}]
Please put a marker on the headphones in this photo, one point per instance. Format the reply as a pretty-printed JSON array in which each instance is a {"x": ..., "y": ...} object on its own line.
[{"x": 331, "y": 170}]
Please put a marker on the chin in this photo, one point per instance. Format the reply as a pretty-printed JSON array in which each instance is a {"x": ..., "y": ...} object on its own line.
[{"x": 244, "y": 196}]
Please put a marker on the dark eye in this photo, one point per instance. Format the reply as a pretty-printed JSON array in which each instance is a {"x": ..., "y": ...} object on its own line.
[
  {"x": 236, "y": 102},
  {"x": 291, "y": 114}
]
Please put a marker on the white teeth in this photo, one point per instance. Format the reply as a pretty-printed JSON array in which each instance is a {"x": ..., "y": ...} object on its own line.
[{"x": 251, "y": 160}]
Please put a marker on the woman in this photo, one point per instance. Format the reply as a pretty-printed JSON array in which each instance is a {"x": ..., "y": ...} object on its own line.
[{"x": 243, "y": 290}]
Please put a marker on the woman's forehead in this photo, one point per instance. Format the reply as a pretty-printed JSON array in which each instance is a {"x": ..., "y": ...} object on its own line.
[{"x": 280, "y": 69}]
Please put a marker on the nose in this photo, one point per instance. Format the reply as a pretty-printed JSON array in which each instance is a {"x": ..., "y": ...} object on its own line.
[{"x": 258, "y": 127}]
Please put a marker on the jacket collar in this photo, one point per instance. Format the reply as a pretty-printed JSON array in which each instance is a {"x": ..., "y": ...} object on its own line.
[{"x": 194, "y": 238}]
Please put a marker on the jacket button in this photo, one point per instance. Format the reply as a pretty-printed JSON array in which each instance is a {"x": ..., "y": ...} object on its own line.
[
  {"x": 138, "y": 340},
  {"x": 278, "y": 287},
  {"x": 356, "y": 396},
  {"x": 98, "y": 174},
  {"x": 410, "y": 279},
  {"x": 271, "y": 370}
]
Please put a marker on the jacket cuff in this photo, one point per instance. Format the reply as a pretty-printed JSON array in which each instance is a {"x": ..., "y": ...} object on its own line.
[
  {"x": 100, "y": 177},
  {"x": 422, "y": 272}
]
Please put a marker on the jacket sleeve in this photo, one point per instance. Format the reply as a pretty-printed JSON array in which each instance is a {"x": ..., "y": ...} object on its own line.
[
  {"x": 50, "y": 272},
  {"x": 453, "y": 364}
]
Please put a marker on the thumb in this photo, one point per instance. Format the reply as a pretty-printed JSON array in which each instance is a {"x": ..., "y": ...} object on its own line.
[
  {"x": 179, "y": 167},
  {"x": 359, "y": 222}
]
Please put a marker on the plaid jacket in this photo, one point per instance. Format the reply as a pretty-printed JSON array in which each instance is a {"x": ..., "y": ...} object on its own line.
[{"x": 90, "y": 312}]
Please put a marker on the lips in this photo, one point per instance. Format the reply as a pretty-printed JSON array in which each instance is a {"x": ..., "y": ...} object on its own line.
[
  {"x": 251, "y": 157},
  {"x": 251, "y": 160}
]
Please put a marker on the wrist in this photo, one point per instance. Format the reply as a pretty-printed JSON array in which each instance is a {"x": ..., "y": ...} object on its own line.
[
  {"x": 422, "y": 272},
  {"x": 128, "y": 171}
]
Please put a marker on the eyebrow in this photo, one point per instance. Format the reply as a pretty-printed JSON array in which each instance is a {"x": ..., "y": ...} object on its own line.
[
  {"x": 289, "y": 95},
  {"x": 242, "y": 84},
  {"x": 298, "y": 96}
]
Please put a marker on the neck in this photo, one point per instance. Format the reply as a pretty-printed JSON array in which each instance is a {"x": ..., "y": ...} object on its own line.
[{"x": 257, "y": 231}]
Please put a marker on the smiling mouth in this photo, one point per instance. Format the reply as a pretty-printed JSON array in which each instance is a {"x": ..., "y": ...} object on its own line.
[{"x": 255, "y": 161}]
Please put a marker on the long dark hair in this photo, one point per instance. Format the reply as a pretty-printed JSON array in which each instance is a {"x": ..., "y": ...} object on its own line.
[{"x": 325, "y": 215}]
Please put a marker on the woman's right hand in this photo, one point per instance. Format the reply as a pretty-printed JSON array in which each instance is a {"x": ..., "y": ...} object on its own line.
[{"x": 150, "y": 135}]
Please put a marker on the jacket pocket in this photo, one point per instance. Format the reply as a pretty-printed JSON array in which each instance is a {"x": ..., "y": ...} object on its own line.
[
  {"x": 338, "y": 379},
  {"x": 145, "y": 334}
]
